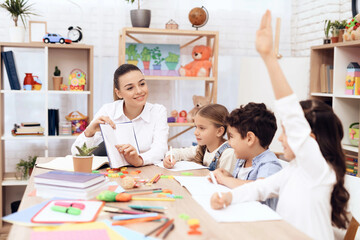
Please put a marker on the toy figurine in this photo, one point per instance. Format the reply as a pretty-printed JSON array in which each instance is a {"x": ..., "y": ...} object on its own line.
[
  {"x": 173, "y": 117},
  {"x": 182, "y": 117},
  {"x": 36, "y": 83}
]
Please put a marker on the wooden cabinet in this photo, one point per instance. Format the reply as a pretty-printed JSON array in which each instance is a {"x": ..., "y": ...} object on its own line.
[
  {"x": 18, "y": 106},
  {"x": 187, "y": 38},
  {"x": 347, "y": 107}
]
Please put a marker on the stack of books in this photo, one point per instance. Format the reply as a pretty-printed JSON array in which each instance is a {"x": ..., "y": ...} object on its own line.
[
  {"x": 72, "y": 185},
  {"x": 352, "y": 166},
  {"x": 28, "y": 128}
]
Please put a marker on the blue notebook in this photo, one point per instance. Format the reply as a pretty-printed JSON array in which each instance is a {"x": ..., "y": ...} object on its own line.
[{"x": 9, "y": 62}]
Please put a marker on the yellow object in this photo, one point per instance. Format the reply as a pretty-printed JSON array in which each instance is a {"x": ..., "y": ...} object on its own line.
[
  {"x": 153, "y": 199},
  {"x": 37, "y": 87},
  {"x": 357, "y": 86},
  {"x": 193, "y": 221}
]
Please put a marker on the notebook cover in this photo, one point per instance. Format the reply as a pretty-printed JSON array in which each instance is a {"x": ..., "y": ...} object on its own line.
[
  {"x": 76, "y": 177},
  {"x": 11, "y": 70}
]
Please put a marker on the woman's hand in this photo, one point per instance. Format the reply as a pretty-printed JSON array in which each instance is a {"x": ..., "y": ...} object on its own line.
[
  {"x": 218, "y": 203},
  {"x": 95, "y": 125},
  {"x": 130, "y": 154},
  {"x": 167, "y": 162},
  {"x": 264, "y": 37}
]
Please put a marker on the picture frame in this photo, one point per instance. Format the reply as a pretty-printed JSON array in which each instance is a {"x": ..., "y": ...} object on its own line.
[{"x": 37, "y": 30}]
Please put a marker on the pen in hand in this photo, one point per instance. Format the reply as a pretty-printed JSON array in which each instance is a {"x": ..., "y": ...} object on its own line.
[{"x": 213, "y": 179}]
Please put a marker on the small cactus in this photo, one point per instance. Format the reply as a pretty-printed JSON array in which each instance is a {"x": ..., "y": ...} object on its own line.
[
  {"x": 84, "y": 150},
  {"x": 57, "y": 71}
]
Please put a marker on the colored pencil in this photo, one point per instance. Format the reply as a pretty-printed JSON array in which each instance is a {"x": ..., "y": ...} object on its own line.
[
  {"x": 147, "y": 210},
  {"x": 143, "y": 190},
  {"x": 120, "y": 210},
  {"x": 147, "y": 207},
  {"x": 168, "y": 230},
  {"x": 153, "y": 179},
  {"x": 146, "y": 219},
  {"x": 153, "y": 199},
  {"x": 157, "y": 228},
  {"x": 144, "y": 193},
  {"x": 168, "y": 223},
  {"x": 131, "y": 216}
]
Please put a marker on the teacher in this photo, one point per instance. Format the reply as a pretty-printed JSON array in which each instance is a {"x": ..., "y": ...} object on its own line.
[{"x": 149, "y": 120}]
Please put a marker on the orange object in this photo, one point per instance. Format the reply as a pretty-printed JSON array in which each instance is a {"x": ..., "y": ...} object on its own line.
[
  {"x": 123, "y": 197},
  {"x": 125, "y": 172},
  {"x": 157, "y": 178},
  {"x": 167, "y": 191},
  {"x": 168, "y": 223},
  {"x": 146, "y": 219}
]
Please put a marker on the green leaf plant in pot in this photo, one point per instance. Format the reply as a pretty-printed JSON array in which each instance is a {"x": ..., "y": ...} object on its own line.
[
  {"x": 341, "y": 27},
  {"x": 140, "y": 17},
  {"x": 172, "y": 61},
  {"x": 18, "y": 9},
  {"x": 25, "y": 168},
  {"x": 145, "y": 58},
  {"x": 57, "y": 79},
  {"x": 83, "y": 160},
  {"x": 327, "y": 26},
  {"x": 335, "y": 31},
  {"x": 132, "y": 54},
  {"x": 156, "y": 57}
]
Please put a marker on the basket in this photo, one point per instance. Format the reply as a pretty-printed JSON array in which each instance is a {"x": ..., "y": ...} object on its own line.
[
  {"x": 78, "y": 122},
  {"x": 77, "y": 80},
  {"x": 354, "y": 134}
]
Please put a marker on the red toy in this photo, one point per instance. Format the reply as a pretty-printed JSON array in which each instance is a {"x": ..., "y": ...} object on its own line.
[
  {"x": 182, "y": 117},
  {"x": 201, "y": 65}
]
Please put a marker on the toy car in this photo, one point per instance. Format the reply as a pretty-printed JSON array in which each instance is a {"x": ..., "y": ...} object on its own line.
[{"x": 55, "y": 38}]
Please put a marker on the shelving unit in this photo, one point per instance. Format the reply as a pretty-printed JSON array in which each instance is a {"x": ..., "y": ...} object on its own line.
[
  {"x": 347, "y": 107},
  {"x": 40, "y": 59},
  {"x": 208, "y": 38}
]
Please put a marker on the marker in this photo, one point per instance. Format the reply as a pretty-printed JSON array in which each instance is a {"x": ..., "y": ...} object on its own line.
[
  {"x": 70, "y": 204},
  {"x": 69, "y": 210},
  {"x": 213, "y": 179}
]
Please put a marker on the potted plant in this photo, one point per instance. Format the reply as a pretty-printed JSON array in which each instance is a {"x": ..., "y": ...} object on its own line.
[
  {"x": 156, "y": 56},
  {"x": 145, "y": 58},
  {"x": 335, "y": 31},
  {"x": 342, "y": 27},
  {"x": 57, "y": 80},
  {"x": 25, "y": 168},
  {"x": 172, "y": 61},
  {"x": 132, "y": 54},
  {"x": 140, "y": 17},
  {"x": 18, "y": 9},
  {"x": 327, "y": 27},
  {"x": 83, "y": 160}
]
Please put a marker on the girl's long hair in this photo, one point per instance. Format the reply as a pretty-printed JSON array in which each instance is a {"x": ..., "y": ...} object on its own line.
[
  {"x": 328, "y": 131},
  {"x": 216, "y": 114}
]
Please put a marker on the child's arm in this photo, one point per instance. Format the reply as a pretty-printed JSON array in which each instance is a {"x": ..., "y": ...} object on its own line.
[
  {"x": 225, "y": 178},
  {"x": 179, "y": 154},
  {"x": 264, "y": 45}
]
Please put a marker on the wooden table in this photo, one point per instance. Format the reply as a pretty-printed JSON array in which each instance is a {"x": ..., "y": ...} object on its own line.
[{"x": 210, "y": 228}]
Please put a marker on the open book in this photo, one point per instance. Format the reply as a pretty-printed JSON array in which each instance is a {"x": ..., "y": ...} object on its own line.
[
  {"x": 123, "y": 134},
  {"x": 66, "y": 163}
]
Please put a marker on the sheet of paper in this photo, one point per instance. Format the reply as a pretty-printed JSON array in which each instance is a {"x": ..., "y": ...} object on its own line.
[
  {"x": 66, "y": 163},
  {"x": 200, "y": 185},
  {"x": 71, "y": 235},
  {"x": 128, "y": 233},
  {"x": 123, "y": 134},
  {"x": 240, "y": 212},
  {"x": 182, "y": 166}
]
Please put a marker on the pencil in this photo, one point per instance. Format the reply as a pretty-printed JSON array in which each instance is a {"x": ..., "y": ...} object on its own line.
[
  {"x": 147, "y": 207},
  {"x": 153, "y": 199},
  {"x": 145, "y": 219},
  {"x": 168, "y": 223},
  {"x": 171, "y": 155},
  {"x": 147, "y": 210},
  {"x": 144, "y": 193},
  {"x": 143, "y": 190},
  {"x": 213, "y": 179},
  {"x": 157, "y": 228},
  {"x": 169, "y": 230}
]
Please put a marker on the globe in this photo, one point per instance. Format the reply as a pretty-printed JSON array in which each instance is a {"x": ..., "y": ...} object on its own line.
[{"x": 198, "y": 16}]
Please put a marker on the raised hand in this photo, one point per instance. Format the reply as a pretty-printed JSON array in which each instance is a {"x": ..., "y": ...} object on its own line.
[
  {"x": 95, "y": 125},
  {"x": 264, "y": 36}
]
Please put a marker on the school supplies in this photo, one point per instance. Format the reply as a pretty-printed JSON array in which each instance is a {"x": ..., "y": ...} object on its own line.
[
  {"x": 52, "y": 213},
  {"x": 123, "y": 134},
  {"x": 131, "y": 221},
  {"x": 143, "y": 190},
  {"x": 70, "y": 204},
  {"x": 182, "y": 166},
  {"x": 153, "y": 199},
  {"x": 112, "y": 209},
  {"x": 146, "y": 207},
  {"x": 168, "y": 223},
  {"x": 172, "y": 227},
  {"x": 213, "y": 179},
  {"x": 147, "y": 210},
  {"x": 133, "y": 216},
  {"x": 161, "y": 228}
]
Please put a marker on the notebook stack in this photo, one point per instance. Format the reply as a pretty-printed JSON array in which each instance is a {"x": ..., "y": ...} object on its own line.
[
  {"x": 72, "y": 185},
  {"x": 30, "y": 128},
  {"x": 352, "y": 166}
]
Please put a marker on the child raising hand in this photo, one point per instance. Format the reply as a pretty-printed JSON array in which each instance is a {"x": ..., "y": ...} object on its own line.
[{"x": 310, "y": 189}]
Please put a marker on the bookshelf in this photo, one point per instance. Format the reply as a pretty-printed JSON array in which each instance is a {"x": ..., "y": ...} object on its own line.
[
  {"x": 347, "y": 107},
  {"x": 187, "y": 39},
  {"x": 18, "y": 106}
]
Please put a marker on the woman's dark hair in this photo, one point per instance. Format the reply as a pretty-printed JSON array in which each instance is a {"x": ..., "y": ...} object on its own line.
[
  {"x": 328, "y": 130},
  {"x": 120, "y": 71}
]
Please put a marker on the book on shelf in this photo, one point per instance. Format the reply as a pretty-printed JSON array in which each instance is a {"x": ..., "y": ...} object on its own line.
[
  {"x": 30, "y": 124},
  {"x": 24, "y": 130},
  {"x": 123, "y": 134},
  {"x": 326, "y": 78},
  {"x": 10, "y": 67}
]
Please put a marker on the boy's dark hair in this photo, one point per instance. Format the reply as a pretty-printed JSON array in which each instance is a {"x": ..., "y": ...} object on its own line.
[
  {"x": 120, "y": 71},
  {"x": 254, "y": 117}
]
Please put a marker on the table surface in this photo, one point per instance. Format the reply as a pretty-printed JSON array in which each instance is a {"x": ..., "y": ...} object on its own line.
[{"x": 208, "y": 226}]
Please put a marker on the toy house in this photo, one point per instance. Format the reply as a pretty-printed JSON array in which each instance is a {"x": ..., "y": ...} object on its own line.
[{"x": 353, "y": 79}]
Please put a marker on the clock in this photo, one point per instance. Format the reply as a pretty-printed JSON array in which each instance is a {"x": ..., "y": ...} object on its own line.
[{"x": 75, "y": 34}]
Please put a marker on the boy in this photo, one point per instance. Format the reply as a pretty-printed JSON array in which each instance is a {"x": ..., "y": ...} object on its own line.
[{"x": 251, "y": 129}]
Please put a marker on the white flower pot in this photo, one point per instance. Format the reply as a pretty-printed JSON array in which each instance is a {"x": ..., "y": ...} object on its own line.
[{"x": 17, "y": 34}]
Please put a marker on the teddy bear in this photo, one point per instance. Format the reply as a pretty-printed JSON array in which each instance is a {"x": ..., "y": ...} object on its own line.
[
  {"x": 198, "y": 101},
  {"x": 201, "y": 65},
  {"x": 352, "y": 29}
]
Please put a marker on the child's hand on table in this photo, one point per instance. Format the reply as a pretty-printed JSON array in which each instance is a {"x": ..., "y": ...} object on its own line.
[
  {"x": 168, "y": 163},
  {"x": 220, "y": 174},
  {"x": 218, "y": 203}
]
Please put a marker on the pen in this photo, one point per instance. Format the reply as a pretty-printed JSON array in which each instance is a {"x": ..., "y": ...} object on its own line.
[
  {"x": 69, "y": 210},
  {"x": 169, "y": 230},
  {"x": 171, "y": 155},
  {"x": 146, "y": 219},
  {"x": 213, "y": 179}
]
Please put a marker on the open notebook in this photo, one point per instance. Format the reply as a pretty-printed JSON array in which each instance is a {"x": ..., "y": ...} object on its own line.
[
  {"x": 66, "y": 163},
  {"x": 123, "y": 134}
]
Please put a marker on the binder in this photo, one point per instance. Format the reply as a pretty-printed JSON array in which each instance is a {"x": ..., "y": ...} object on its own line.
[{"x": 9, "y": 62}]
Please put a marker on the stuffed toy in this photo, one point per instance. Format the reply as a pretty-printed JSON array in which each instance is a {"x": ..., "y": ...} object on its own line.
[
  {"x": 198, "y": 101},
  {"x": 352, "y": 29},
  {"x": 201, "y": 65}
]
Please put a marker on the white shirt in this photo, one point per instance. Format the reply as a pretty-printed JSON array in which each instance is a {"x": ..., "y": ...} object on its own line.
[
  {"x": 150, "y": 126},
  {"x": 243, "y": 172},
  {"x": 304, "y": 187},
  {"x": 227, "y": 159}
]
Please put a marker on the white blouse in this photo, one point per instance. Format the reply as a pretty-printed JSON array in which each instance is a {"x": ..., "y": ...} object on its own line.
[
  {"x": 150, "y": 126},
  {"x": 304, "y": 187}
]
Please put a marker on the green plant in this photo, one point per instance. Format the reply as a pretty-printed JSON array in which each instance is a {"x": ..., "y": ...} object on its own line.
[
  {"x": 18, "y": 8},
  {"x": 145, "y": 54},
  {"x": 24, "y": 167},
  {"x": 156, "y": 56},
  {"x": 172, "y": 57},
  {"x": 132, "y": 52},
  {"x": 57, "y": 71},
  {"x": 327, "y": 27},
  {"x": 85, "y": 151},
  {"x": 343, "y": 24},
  {"x": 132, "y": 1}
]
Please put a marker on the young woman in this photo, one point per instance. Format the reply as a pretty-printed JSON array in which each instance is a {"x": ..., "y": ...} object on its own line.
[
  {"x": 311, "y": 189},
  {"x": 150, "y": 120},
  {"x": 212, "y": 150}
]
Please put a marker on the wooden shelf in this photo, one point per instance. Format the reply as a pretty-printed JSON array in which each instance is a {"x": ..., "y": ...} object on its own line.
[
  {"x": 40, "y": 137},
  {"x": 181, "y": 124},
  {"x": 43, "y": 45},
  {"x": 10, "y": 180},
  {"x": 66, "y": 137},
  {"x": 168, "y": 78},
  {"x": 69, "y": 92},
  {"x": 22, "y": 92},
  {"x": 347, "y": 96},
  {"x": 316, "y": 94},
  {"x": 350, "y": 148},
  {"x": 177, "y": 32},
  {"x": 339, "y": 44}
]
